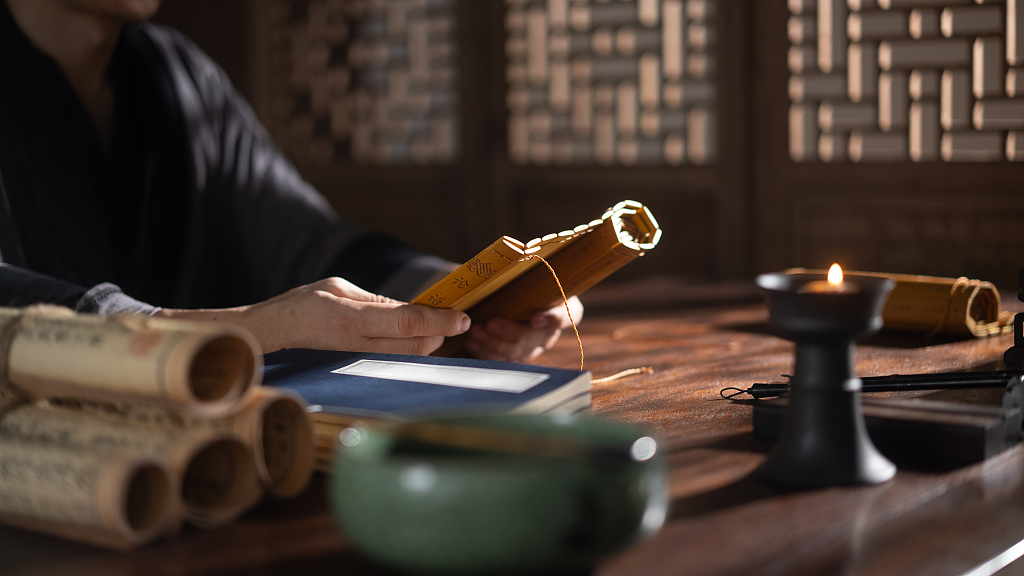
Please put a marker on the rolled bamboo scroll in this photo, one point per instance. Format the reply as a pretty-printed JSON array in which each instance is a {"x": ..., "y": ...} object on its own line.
[
  {"x": 115, "y": 500},
  {"x": 215, "y": 470},
  {"x": 197, "y": 367},
  {"x": 219, "y": 480},
  {"x": 272, "y": 421},
  {"x": 933, "y": 305},
  {"x": 277, "y": 426}
]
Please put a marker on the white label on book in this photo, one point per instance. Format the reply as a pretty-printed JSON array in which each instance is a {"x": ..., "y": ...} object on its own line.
[{"x": 461, "y": 376}]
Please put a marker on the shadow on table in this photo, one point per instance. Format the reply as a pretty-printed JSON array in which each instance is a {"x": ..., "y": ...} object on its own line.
[
  {"x": 882, "y": 339},
  {"x": 349, "y": 562},
  {"x": 744, "y": 442},
  {"x": 352, "y": 563},
  {"x": 911, "y": 340},
  {"x": 659, "y": 294},
  {"x": 750, "y": 488},
  {"x": 744, "y": 490}
]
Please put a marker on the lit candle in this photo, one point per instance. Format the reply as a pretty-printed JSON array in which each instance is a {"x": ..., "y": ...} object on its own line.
[{"x": 834, "y": 284}]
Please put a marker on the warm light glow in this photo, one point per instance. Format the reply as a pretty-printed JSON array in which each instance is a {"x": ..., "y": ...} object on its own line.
[{"x": 835, "y": 275}]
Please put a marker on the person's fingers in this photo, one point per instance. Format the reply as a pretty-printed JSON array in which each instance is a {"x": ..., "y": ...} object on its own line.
[
  {"x": 487, "y": 347},
  {"x": 512, "y": 331},
  {"x": 576, "y": 307},
  {"x": 485, "y": 354},
  {"x": 509, "y": 349},
  {"x": 478, "y": 351},
  {"x": 503, "y": 339},
  {"x": 537, "y": 351},
  {"x": 547, "y": 318},
  {"x": 408, "y": 321},
  {"x": 481, "y": 341},
  {"x": 344, "y": 289},
  {"x": 334, "y": 314},
  {"x": 523, "y": 339},
  {"x": 506, "y": 329},
  {"x": 556, "y": 316},
  {"x": 417, "y": 345}
]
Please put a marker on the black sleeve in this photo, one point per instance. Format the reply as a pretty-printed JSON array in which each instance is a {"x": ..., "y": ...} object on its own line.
[
  {"x": 21, "y": 287},
  {"x": 278, "y": 231}
]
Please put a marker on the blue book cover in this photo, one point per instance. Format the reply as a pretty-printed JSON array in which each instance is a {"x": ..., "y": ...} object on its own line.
[{"x": 399, "y": 385}]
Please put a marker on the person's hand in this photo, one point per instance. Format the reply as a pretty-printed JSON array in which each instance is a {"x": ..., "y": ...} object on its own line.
[
  {"x": 511, "y": 341},
  {"x": 334, "y": 314}
]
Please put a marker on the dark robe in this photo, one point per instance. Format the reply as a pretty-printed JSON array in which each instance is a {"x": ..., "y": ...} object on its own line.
[{"x": 191, "y": 206}]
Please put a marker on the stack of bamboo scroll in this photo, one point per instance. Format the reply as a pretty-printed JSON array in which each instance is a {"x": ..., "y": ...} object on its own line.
[{"x": 114, "y": 430}]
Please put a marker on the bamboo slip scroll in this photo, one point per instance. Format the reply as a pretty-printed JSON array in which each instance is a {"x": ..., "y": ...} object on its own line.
[
  {"x": 217, "y": 471},
  {"x": 113, "y": 430},
  {"x": 272, "y": 421},
  {"x": 933, "y": 305},
  {"x": 202, "y": 367},
  {"x": 114, "y": 500},
  {"x": 503, "y": 280}
]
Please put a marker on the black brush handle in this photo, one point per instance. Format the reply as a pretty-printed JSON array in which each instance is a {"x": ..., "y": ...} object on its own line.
[{"x": 897, "y": 382}]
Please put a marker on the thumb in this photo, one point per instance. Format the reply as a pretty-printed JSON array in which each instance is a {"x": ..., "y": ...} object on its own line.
[{"x": 408, "y": 321}]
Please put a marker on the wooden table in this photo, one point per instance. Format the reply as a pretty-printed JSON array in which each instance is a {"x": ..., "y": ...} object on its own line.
[{"x": 698, "y": 340}]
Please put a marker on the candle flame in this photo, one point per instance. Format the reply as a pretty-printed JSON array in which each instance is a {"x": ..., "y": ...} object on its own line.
[{"x": 835, "y": 275}]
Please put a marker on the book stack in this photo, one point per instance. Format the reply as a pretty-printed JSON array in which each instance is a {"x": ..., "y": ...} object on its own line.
[{"x": 114, "y": 430}]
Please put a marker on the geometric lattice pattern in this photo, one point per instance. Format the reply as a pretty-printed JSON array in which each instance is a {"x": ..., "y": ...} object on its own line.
[
  {"x": 368, "y": 80},
  {"x": 611, "y": 81},
  {"x": 895, "y": 80}
]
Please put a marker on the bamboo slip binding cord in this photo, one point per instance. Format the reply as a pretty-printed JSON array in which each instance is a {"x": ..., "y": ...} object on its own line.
[{"x": 565, "y": 302}]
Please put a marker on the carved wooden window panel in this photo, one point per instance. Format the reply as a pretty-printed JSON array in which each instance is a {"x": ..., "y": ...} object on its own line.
[
  {"x": 897, "y": 80},
  {"x": 611, "y": 81},
  {"x": 371, "y": 81}
]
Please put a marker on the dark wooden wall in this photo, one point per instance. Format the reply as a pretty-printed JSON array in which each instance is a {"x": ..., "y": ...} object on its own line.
[
  {"x": 752, "y": 210},
  {"x": 222, "y": 28}
]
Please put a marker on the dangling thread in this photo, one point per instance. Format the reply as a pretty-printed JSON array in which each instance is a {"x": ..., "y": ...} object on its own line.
[
  {"x": 564, "y": 301},
  {"x": 623, "y": 374}
]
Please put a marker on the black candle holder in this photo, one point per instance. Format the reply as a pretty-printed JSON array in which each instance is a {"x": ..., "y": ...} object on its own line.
[
  {"x": 824, "y": 441},
  {"x": 1014, "y": 356}
]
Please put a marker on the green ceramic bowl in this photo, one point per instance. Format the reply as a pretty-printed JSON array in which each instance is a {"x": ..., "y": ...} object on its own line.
[{"x": 491, "y": 495}]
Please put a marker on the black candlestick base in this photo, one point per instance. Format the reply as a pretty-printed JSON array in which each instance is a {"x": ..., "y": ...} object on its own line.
[
  {"x": 1014, "y": 356},
  {"x": 824, "y": 441}
]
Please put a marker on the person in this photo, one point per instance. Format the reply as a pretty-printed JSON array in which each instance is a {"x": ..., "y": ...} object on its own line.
[{"x": 134, "y": 179}]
